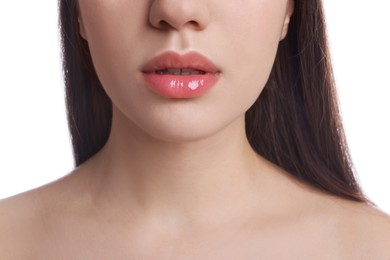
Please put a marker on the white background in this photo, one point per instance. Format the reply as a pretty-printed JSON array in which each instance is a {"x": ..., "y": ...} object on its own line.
[{"x": 34, "y": 142}]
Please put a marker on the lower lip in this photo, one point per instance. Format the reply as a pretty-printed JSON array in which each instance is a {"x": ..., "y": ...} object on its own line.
[{"x": 177, "y": 86}]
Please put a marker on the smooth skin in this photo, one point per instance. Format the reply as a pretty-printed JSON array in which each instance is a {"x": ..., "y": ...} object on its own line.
[{"x": 177, "y": 178}]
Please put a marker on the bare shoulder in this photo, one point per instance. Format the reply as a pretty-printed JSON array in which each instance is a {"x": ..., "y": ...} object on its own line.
[
  {"x": 348, "y": 229},
  {"x": 19, "y": 221},
  {"x": 365, "y": 228},
  {"x": 28, "y": 219},
  {"x": 373, "y": 227}
]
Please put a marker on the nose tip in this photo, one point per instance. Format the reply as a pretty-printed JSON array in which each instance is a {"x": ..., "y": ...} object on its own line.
[{"x": 179, "y": 14}]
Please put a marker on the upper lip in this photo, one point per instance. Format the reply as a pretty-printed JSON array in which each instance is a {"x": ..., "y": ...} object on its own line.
[{"x": 173, "y": 60}]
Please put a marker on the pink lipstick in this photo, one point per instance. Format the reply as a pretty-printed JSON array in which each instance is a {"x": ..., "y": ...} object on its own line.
[{"x": 172, "y": 75}]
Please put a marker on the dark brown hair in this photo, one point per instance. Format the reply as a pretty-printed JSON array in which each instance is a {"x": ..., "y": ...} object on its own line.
[{"x": 295, "y": 122}]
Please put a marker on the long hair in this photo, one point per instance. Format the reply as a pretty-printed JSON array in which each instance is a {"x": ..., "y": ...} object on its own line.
[{"x": 295, "y": 123}]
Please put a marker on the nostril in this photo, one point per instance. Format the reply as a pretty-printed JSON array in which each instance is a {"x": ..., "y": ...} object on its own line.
[
  {"x": 163, "y": 25},
  {"x": 166, "y": 25},
  {"x": 178, "y": 14},
  {"x": 193, "y": 23}
]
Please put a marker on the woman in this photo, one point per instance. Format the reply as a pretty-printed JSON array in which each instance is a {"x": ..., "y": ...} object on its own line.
[{"x": 201, "y": 130}]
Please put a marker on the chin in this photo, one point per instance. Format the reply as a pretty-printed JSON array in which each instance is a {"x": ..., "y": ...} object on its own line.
[
  {"x": 178, "y": 123},
  {"x": 183, "y": 132}
]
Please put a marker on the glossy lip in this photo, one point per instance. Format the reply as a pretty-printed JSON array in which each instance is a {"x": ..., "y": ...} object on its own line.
[{"x": 180, "y": 86}]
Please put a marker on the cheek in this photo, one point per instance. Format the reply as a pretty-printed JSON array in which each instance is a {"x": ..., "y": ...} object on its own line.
[
  {"x": 110, "y": 32},
  {"x": 254, "y": 35}
]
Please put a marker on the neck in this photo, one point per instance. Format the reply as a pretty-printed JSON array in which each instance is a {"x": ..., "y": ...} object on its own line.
[{"x": 196, "y": 181}]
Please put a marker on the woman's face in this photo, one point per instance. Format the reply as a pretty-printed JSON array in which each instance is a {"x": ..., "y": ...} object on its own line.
[{"x": 239, "y": 37}]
